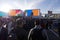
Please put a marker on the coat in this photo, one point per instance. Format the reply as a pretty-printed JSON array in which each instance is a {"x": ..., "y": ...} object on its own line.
[
  {"x": 3, "y": 34},
  {"x": 21, "y": 34},
  {"x": 36, "y": 34}
]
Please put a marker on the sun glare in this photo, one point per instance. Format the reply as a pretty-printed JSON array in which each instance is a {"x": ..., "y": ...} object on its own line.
[{"x": 5, "y": 8}]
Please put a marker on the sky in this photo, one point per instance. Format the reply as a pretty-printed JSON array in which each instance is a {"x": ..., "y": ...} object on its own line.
[{"x": 43, "y": 5}]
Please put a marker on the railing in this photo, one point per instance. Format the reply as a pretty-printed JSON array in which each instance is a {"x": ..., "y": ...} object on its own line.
[{"x": 54, "y": 33}]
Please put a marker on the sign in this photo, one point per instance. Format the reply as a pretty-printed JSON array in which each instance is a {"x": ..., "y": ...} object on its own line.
[
  {"x": 15, "y": 12},
  {"x": 28, "y": 12},
  {"x": 36, "y": 12},
  {"x": 12, "y": 13}
]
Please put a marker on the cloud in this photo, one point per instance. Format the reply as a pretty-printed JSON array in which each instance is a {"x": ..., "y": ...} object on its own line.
[
  {"x": 19, "y": 4},
  {"x": 51, "y": 5},
  {"x": 44, "y": 5},
  {"x": 56, "y": 10},
  {"x": 33, "y": 3},
  {"x": 6, "y": 5},
  {"x": 54, "y": 6}
]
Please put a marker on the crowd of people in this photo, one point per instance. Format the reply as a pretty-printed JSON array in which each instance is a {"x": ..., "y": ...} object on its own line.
[{"x": 24, "y": 28}]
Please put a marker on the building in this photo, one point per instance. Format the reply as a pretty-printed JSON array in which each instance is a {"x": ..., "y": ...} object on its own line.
[
  {"x": 53, "y": 15},
  {"x": 56, "y": 15}
]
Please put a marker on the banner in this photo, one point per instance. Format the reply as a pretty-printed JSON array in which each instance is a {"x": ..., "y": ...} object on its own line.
[
  {"x": 15, "y": 12},
  {"x": 12, "y": 13},
  {"x": 36, "y": 12},
  {"x": 28, "y": 12}
]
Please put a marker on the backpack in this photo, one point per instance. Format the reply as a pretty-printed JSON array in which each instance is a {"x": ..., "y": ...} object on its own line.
[{"x": 12, "y": 35}]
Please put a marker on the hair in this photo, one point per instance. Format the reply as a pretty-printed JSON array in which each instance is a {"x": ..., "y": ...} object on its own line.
[
  {"x": 37, "y": 22},
  {"x": 19, "y": 22}
]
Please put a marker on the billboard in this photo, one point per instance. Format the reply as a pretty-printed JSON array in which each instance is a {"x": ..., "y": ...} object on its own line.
[
  {"x": 36, "y": 12},
  {"x": 28, "y": 12},
  {"x": 15, "y": 12},
  {"x": 12, "y": 13}
]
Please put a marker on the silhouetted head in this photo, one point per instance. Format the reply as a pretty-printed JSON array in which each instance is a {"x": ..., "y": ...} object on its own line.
[
  {"x": 1, "y": 22},
  {"x": 37, "y": 22},
  {"x": 20, "y": 23}
]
